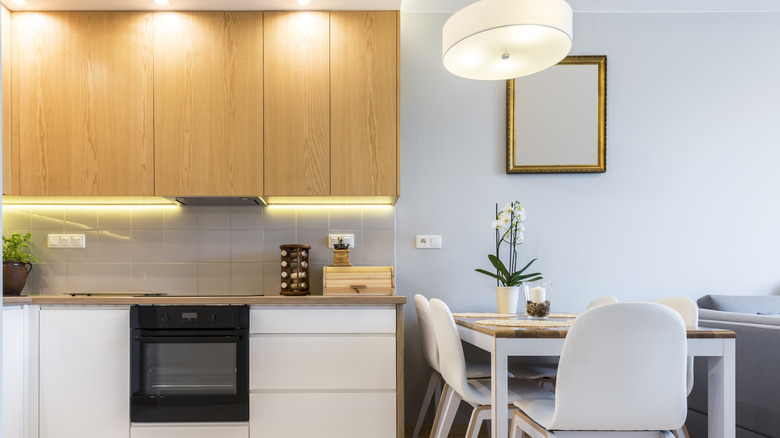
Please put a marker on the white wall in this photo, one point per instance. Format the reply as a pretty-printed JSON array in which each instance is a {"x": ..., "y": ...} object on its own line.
[{"x": 688, "y": 205}]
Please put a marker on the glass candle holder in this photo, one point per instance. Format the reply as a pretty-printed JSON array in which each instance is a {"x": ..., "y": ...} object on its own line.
[{"x": 537, "y": 299}]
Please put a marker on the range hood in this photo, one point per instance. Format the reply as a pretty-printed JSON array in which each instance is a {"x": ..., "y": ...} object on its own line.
[{"x": 214, "y": 200}]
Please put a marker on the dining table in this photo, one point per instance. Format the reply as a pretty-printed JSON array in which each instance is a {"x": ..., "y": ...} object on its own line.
[{"x": 503, "y": 342}]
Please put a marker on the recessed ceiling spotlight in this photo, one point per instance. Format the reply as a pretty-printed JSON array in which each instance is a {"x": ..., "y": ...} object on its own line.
[
  {"x": 21, "y": 2},
  {"x": 303, "y": 2},
  {"x": 162, "y": 2}
]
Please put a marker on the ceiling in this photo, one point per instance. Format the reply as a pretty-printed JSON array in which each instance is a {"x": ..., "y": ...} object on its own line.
[{"x": 404, "y": 5}]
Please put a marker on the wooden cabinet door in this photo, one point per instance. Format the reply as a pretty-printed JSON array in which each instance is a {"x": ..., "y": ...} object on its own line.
[
  {"x": 364, "y": 105},
  {"x": 84, "y": 372},
  {"x": 297, "y": 123},
  {"x": 208, "y": 103},
  {"x": 5, "y": 39},
  {"x": 84, "y": 102}
]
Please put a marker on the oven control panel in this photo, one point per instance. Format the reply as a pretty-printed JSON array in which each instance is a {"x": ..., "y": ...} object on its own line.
[{"x": 183, "y": 317}]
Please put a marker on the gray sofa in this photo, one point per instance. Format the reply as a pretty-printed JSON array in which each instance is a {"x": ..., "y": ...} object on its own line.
[{"x": 756, "y": 321}]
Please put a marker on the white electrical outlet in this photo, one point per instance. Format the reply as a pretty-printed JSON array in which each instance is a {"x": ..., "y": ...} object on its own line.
[
  {"x": 66, "y": 241},
  {"x": 427, "y": 241},
  {"x": 346, "y": 238}
]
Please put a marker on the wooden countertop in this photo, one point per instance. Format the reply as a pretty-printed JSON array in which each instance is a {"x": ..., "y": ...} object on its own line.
[
  {"x": 308, "y": 300},
  {"x": 559, "y": 332}
]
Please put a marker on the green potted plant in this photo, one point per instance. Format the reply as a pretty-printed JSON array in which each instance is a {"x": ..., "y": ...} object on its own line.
[
  {"x": 510, "y": 230},
  {"x": 16, "y": 263}
]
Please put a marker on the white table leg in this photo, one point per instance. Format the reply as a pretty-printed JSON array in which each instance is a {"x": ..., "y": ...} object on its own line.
[
  {"x": 500, "y": 387},
  {"x": 721, "y": 384}
]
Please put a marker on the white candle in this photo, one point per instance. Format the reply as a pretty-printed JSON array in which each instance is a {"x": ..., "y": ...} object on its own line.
[{"x": 537, "y": 294}]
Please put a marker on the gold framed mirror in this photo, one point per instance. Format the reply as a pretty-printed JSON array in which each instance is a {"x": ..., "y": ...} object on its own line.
[{"x": 557, "y": 118}]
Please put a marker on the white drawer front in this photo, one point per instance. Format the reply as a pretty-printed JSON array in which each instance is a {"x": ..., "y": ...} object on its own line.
[
  {"x": 194, "y": 431},
  {"x": 322, "y": 415},
  {"x": 322, "y": 319},
  {"x": 322, "y": 362}
]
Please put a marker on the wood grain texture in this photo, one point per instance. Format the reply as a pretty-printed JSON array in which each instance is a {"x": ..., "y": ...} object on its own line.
[
  {"x": 297, "y": 99},
  {"x": 511, "y": 332},
  {"x": 364, "y": 68},
  {"x": 399, "y": 370},
  {"x": 5, "y": 28},
  {"x": 84, "y": 103},
  {"x": 208, "y": 103},
  {"x": 14, "y": 105},
  {"x": 309, "y": 300}
]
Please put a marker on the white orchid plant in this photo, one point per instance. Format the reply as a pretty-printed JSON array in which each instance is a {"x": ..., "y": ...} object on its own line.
[{"x": 509, "y": 229}]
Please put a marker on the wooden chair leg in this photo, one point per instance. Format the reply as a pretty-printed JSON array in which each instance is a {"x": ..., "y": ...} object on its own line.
[
  {"x": 514, "y": 428},
  {"x": 681, "y": 432},
  {"x": 478, "y": 416},
  {"x": 522, "y": 425},
  {"x": 433, "y": 385},
  {"x": 448, "y": 407}
]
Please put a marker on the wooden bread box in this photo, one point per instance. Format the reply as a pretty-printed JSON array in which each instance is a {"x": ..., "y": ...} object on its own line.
[{"x": 358, "y": 280}]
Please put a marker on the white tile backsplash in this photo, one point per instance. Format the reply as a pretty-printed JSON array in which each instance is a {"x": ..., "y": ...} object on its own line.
[
  {"x": 191, "y": 250},
  {"x": 181, "y": 246},
  {"x": 148, "y": 246},
  {"x": 80, "y": 219},
  {"x": 114, "y": 246}
]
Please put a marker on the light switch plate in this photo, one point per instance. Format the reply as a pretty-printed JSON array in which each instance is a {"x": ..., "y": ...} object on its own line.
[
  {"x": 66, "y": 241},
  {"x": 427, "y": 241}
]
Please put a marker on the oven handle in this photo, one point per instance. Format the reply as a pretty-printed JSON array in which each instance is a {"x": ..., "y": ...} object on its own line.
[{"x": 191, "y": 339}]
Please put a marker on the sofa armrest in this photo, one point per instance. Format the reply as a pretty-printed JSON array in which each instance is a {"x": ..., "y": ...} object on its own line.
[
  {"x": 706, "y": 315},
  {"x": 757, "y": 374}
]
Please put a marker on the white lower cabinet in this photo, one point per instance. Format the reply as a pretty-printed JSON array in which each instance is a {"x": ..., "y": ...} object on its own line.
[
  {"x": 14, "y": 390},
  {"x": 191, "y": 431},
  {"x": 323, "y": 371},
  {"x": 322, "y": 362},
  {"x": 322, "y": 415},
  {"x": 84, "y": 372}
]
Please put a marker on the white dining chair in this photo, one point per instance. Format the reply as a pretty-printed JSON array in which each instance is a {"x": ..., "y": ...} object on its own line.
[
  {"x": 640, "y": 350},
  {"x": 458, "y": 386},
  {"x": 474, "y": 370},
  {"x": 689, "y": 311},
  {"x": 431, "y": 354},
  {"x": 601, "y": 301},
  {"x": 552, "y": 371}
]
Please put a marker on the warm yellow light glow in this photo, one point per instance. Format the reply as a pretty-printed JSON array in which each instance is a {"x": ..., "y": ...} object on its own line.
[
  {"x": 331, "y": 206},
  {"x": 36, "y": 207},
  {"x": 329, "y": 200},
  {"x": 20, "y": 2},
  {"x": 89, "y": 201}
]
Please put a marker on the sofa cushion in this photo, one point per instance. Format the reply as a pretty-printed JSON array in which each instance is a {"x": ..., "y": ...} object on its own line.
[{"x": 741, "y": 303}]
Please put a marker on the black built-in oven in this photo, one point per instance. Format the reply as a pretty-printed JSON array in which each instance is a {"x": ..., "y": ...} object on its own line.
[{"x": 189, "y": 364}]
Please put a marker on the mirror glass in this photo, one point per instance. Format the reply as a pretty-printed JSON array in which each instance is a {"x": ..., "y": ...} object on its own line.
[{"x": 556, "y": 119}]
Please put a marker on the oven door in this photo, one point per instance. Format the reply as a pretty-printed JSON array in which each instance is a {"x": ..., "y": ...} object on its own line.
[{"x": 189, "y": 376}]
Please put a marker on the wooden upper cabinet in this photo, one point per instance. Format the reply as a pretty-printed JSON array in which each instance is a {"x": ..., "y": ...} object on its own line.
[
  {"x": 82, "y": 103},
  {"x": 297, "y": 122},
  {"x": 5, "y": 38},
  {"x": 208, "y": 103},
  {"x": 364, "y": 103}
]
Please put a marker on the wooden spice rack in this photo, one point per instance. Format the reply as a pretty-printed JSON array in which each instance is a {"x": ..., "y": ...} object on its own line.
[{"x": 295, "y": 269}]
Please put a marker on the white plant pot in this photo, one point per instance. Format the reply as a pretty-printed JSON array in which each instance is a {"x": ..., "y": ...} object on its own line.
[{"x": 506, "y": 298}]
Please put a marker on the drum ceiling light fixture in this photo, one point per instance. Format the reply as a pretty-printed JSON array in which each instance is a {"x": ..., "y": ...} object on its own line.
[{"x": 504, "y": 39}]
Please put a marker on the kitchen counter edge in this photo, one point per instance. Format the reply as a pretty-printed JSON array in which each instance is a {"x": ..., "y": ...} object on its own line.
[{"x": 198, "y": 300}]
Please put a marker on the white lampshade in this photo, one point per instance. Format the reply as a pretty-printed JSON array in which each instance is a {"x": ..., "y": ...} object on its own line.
[{"x": 504, "y": 39}]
